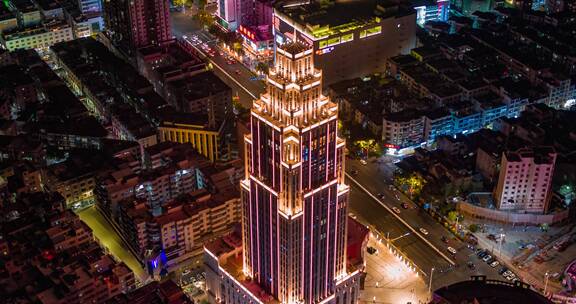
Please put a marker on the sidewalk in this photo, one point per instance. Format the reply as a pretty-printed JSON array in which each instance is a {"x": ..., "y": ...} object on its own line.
[{"x": 389, "y": 280}]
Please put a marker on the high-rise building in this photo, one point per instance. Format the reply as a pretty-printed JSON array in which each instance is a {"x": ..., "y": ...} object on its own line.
[
  {"x": 294, "y": 199},
  {"x": 525, "y": 180},
  {"x": 132, "y": 24}
]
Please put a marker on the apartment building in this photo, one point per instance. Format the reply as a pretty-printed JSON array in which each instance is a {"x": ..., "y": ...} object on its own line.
[{"x": 525, "y": 180}]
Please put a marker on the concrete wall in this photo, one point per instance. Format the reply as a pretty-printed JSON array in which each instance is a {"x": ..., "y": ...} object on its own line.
[{"x": 509, "y": 217}]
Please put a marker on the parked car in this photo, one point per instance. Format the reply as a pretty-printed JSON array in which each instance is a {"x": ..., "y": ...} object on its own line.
[
  {"x": 396, "y": 210},
  {"x": 423, "y": 231},
  {"x": 451, "y": 250},
  {"x": 363, "y": 162},
  {"x": 494, "y": 264},
  {"x": 482, "y": 254},
  {"x": 502, "y": 270},
  {"x": 404, "y": 205},
  {"x": 486, "y": 258},
  {"x": 444, "y": 239},
  {"x": 380, "y": 195}
]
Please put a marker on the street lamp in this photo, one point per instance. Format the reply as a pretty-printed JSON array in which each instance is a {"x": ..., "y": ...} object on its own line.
[
  {"x": 502, "y": 235},
  {"x": 430, "y": 283},
  {"x": 545, "y": 282}
]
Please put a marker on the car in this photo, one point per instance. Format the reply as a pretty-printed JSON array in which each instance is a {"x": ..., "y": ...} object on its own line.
[
  {"x": 482, "y": 254},
  {"x": 380, "y": 195},
  {"x": 494, "y": 264},
  {"x": 423, "y": 231},
  {"x": 444, "y": 239},
  {"x": 354, "y": 172},
  {"x": 451, "y": 250},
  {"x": 363, "y": 162},
  {"x": 396, "y": 210},
  {"x": 486, "y": 258},
  {"x": 397, "y": 197},
  {"x": 352, "y": 215},
  {"x": 492, "y": 259},
  {"x": 507, "y": 273},
  {"x": 404, "y": 206},
  {"x": 502, "y": 270},
  {"x": 371, "y": 250}
]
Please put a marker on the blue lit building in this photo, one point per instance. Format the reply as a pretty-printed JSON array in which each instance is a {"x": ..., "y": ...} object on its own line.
[{"x": 431, "y": 10}]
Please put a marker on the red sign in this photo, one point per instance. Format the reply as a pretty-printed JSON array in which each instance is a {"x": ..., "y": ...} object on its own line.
[{"x": 248, "y": 34}]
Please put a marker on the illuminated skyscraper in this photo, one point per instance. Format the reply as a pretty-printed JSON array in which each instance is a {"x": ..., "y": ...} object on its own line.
[{"x": 293, "y": 196}]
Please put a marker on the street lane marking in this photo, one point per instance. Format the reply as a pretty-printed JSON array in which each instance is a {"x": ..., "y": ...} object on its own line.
[{"x": 401, "y": 220}]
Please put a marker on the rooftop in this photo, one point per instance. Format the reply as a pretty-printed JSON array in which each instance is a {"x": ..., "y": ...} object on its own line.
[
  {"x": 333, "y": 17},
  {"x": 200, "y": 85},
  {"x": 24, "y": 6},
  {"x": 5, "y": 14},
  {"x": 482, "y": 291}
]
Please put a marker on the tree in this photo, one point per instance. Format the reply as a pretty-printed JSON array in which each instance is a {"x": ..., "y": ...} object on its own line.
[
  {"x": 473, "y": 228},
  {"x": 205, "y": 18},
  {"x": 413, "y": 183},
  {"x": 179, "y": 2},
  {"x": 262, "y": 67},
  {"x": 453, "y": 215}
]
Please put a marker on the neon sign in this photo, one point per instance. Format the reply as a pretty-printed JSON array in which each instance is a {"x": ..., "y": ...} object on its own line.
[
  {"x": 325, "y": 51},
  {"x": 248, "y": 34}
]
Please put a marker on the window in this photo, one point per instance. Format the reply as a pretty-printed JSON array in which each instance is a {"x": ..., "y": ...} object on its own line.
[{"x": 348, "y": 37}]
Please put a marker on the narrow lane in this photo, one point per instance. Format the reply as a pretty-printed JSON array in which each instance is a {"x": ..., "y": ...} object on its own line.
[{"x": 110, "y": 239}]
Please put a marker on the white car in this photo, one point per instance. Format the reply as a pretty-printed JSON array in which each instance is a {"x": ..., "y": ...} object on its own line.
[
  {"x": 423, "y": 231},
  {"x": 451, "y": 250},
  {"x": 494, "y": 264},
  {"x": 363, "y": 162},
  {"x": 487, "y": 258},
  {"x": 396, "y": 210}
]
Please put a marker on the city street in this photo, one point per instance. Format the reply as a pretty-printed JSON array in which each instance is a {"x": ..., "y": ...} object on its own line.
[
  {"x": 236, "y": 75},
  {"x": 110, "y": 240},
  {"x": 369, "y": 210}
]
